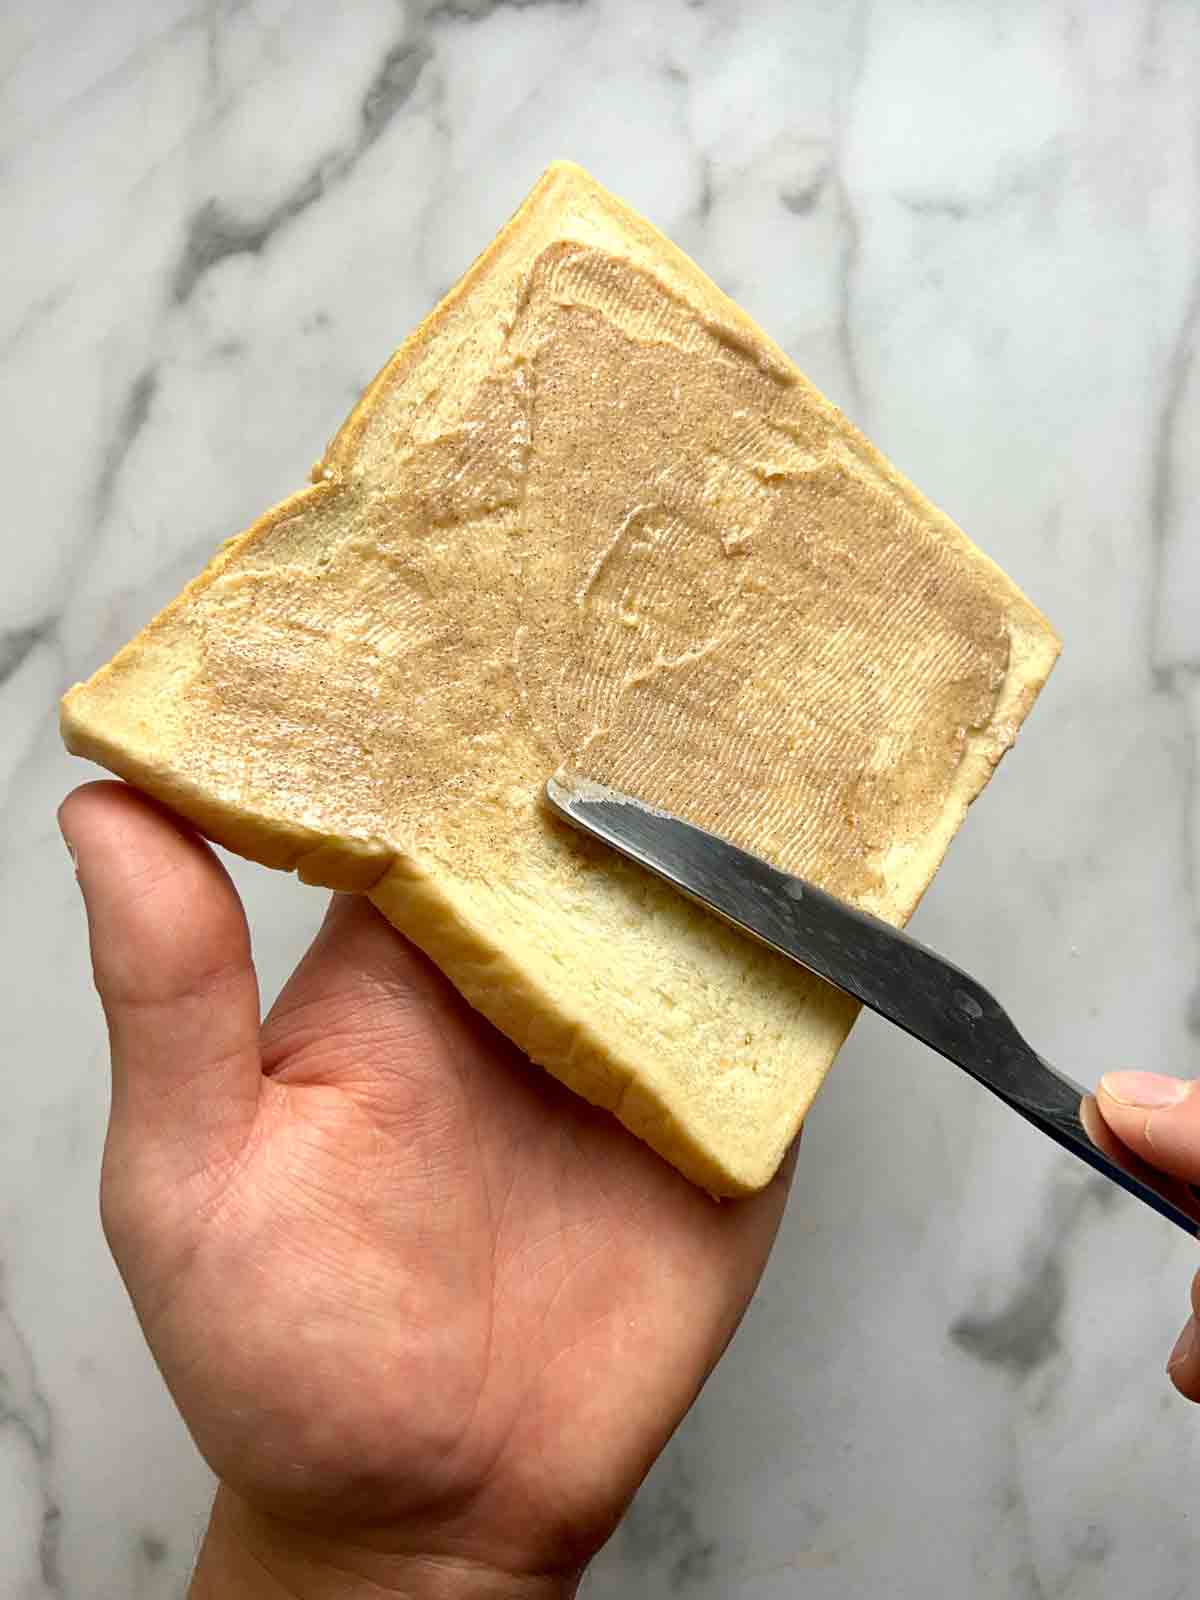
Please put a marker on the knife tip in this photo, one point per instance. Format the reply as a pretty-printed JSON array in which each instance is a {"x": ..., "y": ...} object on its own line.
[
  {"x": 560, "y": 788},
  {"x": 576, "y": 798},
  {"x": 566, "y": 787}
]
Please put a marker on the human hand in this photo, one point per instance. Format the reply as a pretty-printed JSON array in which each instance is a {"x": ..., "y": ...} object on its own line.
[
  {"x": 428, "y": 1315},
  {"x": 1158, "y": 1118}
]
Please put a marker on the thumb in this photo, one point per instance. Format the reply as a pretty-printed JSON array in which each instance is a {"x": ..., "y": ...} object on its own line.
[
  {"x": 172, "y": 965},
  {"x": 1157, "y": 1117}
]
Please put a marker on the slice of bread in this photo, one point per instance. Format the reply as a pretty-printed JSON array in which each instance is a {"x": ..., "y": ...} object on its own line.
[{"x": 589, "y": 514}]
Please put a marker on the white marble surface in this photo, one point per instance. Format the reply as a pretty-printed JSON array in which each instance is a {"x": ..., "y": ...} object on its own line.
[{"x": 978, "y": 227}]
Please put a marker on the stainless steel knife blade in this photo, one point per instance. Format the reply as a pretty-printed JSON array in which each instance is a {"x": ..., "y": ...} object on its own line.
[{"x": 878, "y": 965}]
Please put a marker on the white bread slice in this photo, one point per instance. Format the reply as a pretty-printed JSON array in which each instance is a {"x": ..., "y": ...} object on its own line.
[{"x": 590, "y": 514}]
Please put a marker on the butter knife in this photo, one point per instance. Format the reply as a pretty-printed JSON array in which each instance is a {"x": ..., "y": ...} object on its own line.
[{"x": 876, "y": 964}]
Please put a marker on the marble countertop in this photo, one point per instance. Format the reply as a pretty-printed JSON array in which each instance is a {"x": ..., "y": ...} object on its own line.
[{"x": 978, "y": 229}]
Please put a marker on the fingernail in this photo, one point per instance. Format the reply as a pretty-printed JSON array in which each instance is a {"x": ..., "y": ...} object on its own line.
[
  {"x": 1150, "y": 1091},
  {"x": 71, "y": 850},
  {"x": 1183, "y": 1345}
]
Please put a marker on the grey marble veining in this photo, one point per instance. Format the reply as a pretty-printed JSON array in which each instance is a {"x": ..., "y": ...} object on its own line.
[{"x": 978, "y": 229}]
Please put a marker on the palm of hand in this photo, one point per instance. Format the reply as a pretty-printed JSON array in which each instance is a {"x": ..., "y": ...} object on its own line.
[{"x": 397, "y": 1277}]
